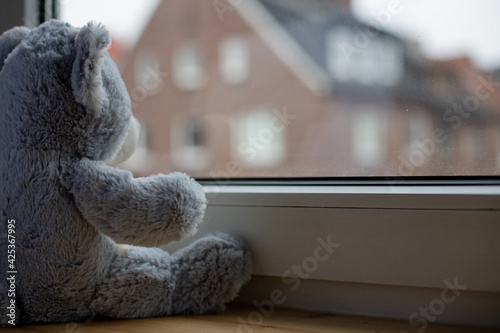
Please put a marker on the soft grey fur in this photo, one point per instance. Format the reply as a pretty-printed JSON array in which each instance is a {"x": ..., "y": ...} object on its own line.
[{"x": 64, "y": 111}]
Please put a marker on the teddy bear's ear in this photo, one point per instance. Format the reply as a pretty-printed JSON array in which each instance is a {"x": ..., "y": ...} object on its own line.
[
  {"x": 9, "y": 40},
  {"x": 86, "y": 77}
]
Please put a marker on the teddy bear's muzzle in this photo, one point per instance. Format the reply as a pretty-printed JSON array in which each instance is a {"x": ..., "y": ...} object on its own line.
[{"x": 129, "y": 144}]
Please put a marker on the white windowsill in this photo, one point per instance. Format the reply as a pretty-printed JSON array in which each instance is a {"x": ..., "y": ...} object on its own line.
[
  {"x": 399, "y": 242},
  {"x": 475, "y": 197}
]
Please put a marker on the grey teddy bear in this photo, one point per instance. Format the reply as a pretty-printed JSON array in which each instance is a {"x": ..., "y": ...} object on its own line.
[{"x": 64, "y": 113}]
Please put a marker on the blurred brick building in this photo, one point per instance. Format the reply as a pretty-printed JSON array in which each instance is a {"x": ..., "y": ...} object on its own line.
[{"x": 290, "y": 88}]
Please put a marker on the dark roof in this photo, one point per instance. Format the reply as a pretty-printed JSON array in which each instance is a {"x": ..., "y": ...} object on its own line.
[
  {"x": 309, "y": 22},
  {"x": 312, "y": 9}
]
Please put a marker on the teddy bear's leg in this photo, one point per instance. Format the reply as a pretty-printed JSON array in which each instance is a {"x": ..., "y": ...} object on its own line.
[
  {"x": 209, "y": 273},
  {"x": 138, "y": 284}
]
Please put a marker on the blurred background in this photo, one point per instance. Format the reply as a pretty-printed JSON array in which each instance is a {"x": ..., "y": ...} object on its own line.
[{"x": 307, "y": 88}]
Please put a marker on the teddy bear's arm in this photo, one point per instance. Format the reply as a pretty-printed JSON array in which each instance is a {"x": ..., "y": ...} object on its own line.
[{"x": 147, "y": 211}]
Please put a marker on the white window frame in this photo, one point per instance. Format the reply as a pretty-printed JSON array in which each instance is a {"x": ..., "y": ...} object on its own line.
[{"x": 398, "y": 245}]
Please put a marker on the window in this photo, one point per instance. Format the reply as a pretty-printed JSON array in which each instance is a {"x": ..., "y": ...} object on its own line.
[
  {"x": 367, "y": 137},
  {"x": 420, "y": 126},
  {"x": 391, "y": 62},
  {"x": 471, "y": 146},
  {"x": 259, "y": 138},
  {"x": 323, "y": 61},
  {"x": 376, "y": 61},
  {"x": 339, "y": 56},
  {"x": 233, "y": 53},
  {"x": 188, "y": 66},
  {"x": 311, "y": 119},
  {"x": 190, "y": 151}
]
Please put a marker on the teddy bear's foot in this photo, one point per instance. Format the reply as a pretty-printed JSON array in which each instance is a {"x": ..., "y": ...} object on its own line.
[
  {"x": 139, "y": 284},
  {"x": 209, "y": 273}
]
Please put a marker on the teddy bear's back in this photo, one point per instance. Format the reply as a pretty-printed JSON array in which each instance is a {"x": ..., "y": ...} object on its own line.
[
  {"x": 59, "y": 257},
  {"x": 54, "y": 244},
  {"x": 33, "y": 88}
]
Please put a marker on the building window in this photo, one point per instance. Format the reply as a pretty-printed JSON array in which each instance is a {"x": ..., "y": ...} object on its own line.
[
  {"x": 420, "y": 128},
  {"x": 367, "y": 143},
  {"x": 190, "y": 151},
  {"x": 194, "y": 134},
  {"x": 391, "y": 62},
  {"x": 233, "y": 60},
  {"x": 379, "y": 60},
  {"x": 259, "y": 138},
  {"x": 188, "y": 67},
  {"x": 471, "y": 144},
  {"x": 339, "y": 55}
]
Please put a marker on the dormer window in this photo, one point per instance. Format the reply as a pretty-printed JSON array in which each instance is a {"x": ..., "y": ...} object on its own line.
[{"x": 378, "y": 60}]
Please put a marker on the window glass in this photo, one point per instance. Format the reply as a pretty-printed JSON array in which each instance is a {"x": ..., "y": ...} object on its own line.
[
  {"x": 188, "y": 67},
  {"x": 189, "y": 147},
  {"x": 368, "y": 141},
  {"x": 233, "y": 57},
  {"x": 308, "y": 88},
  {"x": 338, "y": 57}
]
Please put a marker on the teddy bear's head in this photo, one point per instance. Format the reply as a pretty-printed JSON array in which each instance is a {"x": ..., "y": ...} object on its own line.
[{"x": 62, "y": 94}]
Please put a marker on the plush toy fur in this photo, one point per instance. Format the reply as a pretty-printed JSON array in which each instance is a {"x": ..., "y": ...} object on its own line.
[{"x": 64, "y": 112}]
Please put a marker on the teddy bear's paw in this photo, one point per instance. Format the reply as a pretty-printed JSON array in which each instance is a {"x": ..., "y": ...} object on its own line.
[
  {"x": 186, "y": 203},
  {"x": 209, "y": 273}
]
